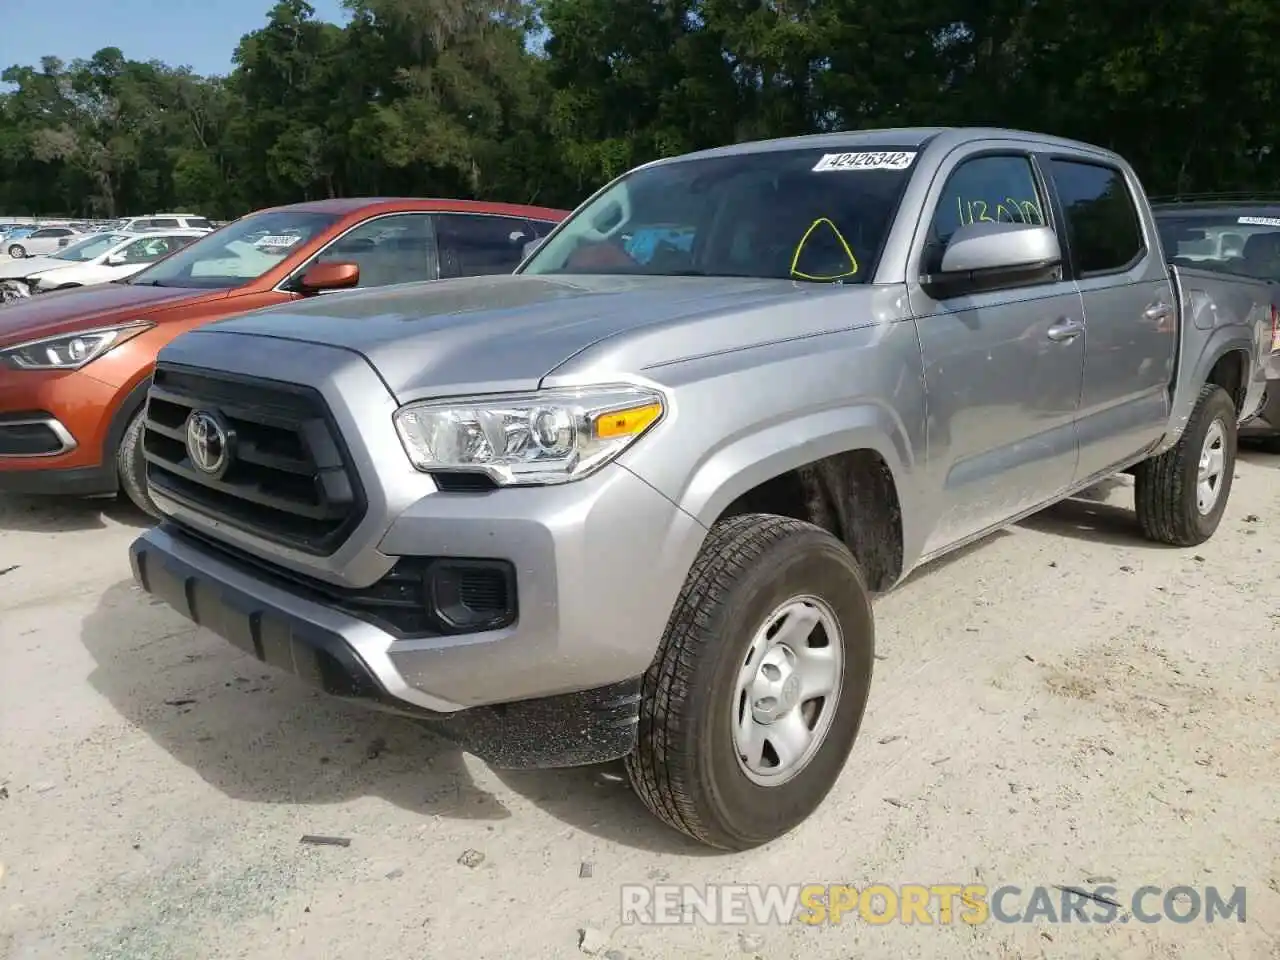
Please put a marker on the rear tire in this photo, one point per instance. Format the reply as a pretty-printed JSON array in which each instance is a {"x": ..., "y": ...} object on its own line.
[
  {"x": 131, "y": 466},
  {"x": 705, "y": 699},
  {"x": 1181, "y": 495}
]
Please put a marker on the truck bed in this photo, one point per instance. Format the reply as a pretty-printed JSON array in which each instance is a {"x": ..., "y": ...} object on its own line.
[{"x": 1217, "y": 310}]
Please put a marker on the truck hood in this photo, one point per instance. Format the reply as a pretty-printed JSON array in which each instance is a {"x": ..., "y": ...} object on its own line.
[
  {"x": 84, "y": 308},
  {"x": 18, "y": 268},
  {"x": 496, "y": 333}
]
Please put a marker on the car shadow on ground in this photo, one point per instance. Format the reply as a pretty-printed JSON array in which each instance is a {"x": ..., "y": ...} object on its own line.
[
  {"x": 1256, "y": 454},
  {"x": 67, "y": 514},
  {"x": 256, "y": 734},
  {"x": 1102, "y": 513}
]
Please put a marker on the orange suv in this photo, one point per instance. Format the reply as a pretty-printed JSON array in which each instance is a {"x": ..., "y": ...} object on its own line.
[{"x": 75, "y": 365}]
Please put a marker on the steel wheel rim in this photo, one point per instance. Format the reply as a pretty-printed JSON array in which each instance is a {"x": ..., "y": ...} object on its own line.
[
  {"x": 787, "y": 691},
  {"x": 1212, "y": 468}
]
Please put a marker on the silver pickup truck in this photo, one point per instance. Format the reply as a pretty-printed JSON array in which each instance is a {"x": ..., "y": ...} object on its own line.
[{"x": 636, "y": 499}]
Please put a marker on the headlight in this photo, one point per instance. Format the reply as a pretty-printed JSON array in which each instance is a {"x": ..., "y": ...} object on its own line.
[
  {"x": 70, "y": 351},
  {"x": 552, "y": 436}
]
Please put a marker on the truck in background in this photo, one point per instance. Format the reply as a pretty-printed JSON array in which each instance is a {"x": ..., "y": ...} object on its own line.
[{"x": 1237, "y": 234}]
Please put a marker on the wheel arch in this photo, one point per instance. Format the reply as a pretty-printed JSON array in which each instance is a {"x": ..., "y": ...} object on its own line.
[
  {"x": 129, "y": 406},
  {"x": 843, "y": 469}
]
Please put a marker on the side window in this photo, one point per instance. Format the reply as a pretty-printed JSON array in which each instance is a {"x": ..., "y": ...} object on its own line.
[
  {"x": 473, "y": 245},
  {"x": 166, "y": 223},
  {"x": 398, "y": 249},
  {"x": 1102, "y": 222},
  {"x": 998, "y": 189},
  {"x": 42, "y": 234},
  {"x": 140, "y": 251},
  {"x": 199, "y": 223}
]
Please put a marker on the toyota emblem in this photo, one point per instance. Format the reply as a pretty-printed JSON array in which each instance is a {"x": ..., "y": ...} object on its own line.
[{"x": 208, "y": 443}]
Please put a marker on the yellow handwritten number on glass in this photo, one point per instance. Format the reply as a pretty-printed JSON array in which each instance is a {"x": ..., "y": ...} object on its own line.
[{"x": 844, "y": 245}]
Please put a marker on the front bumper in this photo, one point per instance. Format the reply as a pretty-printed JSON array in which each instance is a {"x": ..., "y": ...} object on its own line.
[
  {"x": 52, "y": 428},
  {"x": 598, "y": 565}
]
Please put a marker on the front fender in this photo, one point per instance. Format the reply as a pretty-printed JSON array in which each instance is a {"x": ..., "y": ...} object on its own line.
[{"x": 734, "y": 424}]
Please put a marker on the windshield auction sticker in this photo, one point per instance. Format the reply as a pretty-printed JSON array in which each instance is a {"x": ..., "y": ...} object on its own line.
[
  {"x": 284, "y": 240},
  {"x": 864, "y": 160},
  {"x": 1260, "y": 221}
]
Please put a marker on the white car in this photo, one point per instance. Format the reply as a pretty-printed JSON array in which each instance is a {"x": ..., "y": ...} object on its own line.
[
  {"x": 46, "y": 240},
  {"x": 83, "y": 249},
  {"x": 124, "y": 255},
  {"x": 162, "y": 221}
]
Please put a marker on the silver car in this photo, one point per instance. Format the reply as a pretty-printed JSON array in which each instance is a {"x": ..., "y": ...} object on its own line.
[{"x": 635, "y": 500}]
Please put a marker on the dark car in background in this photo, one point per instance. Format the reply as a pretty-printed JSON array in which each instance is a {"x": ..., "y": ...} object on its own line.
[{"x": 1236, "y": 233}]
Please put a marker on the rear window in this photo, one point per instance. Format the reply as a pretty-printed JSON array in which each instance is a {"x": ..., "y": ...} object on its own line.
[
  {"x": 809, "y": 215},
  {"x": 1240, "y": 241}
]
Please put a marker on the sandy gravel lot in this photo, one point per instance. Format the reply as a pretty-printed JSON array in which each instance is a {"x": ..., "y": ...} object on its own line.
[{"x": 1060, "y": 703}]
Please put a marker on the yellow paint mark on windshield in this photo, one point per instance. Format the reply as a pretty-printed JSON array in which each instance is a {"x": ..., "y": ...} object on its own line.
[{"x": 844, "y": 245}]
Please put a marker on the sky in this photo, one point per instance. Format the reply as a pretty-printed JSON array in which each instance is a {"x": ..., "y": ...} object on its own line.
[{"x": 201, "y": 34}]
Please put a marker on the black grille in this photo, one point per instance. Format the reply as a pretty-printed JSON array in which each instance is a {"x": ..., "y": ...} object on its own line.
[{"x": 288, "y": 480}]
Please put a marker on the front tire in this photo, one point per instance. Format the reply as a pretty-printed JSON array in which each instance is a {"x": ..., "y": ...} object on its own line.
[
  {"x": 17, "y": 251},
  {"x": 759, "y": 686},
  {"x": 131, "y": 466},
  {"x": 1181, "y": 494}
]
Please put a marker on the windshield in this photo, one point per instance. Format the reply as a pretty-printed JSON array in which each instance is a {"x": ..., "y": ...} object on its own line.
[
  {"x": 90, "y": 247},
  {"x": 238, "y": 253},
  {"x": 1237, "y": 241},
  {"x": 790, "y": 214}
]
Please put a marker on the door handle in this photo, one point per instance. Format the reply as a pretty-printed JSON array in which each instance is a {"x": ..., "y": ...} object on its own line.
[
  {"x": 1065, "y": 330},
  {"x": 1157, "y": 312}
]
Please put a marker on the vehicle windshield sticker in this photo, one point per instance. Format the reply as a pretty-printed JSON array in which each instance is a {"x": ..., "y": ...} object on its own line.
[
  {"x": 864, "y": 161},
  {"x": 1261, "y": 221},
  {"x": 281, "y": 241}
]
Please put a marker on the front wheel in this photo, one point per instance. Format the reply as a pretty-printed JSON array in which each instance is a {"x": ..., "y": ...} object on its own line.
[
  {"x": 758, "y": 689},
  {"x": 17, "y": 251},
  {"x": 1181, "y": 494},
  {"x": 131, "y": 466}
]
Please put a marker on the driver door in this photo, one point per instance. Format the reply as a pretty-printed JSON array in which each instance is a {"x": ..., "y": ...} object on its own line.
[{"x": 1003, "y": 386}]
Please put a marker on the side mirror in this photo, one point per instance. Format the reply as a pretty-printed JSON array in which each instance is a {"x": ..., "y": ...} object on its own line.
[
  {"x": 993, "y": 255},
  {"x": 115, "y": 259},
  {"x": 529, "y": 247},
  {"x": 329, "y": 276}
]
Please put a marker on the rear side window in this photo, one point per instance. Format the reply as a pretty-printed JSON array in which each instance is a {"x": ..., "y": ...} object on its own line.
[
  {"x": 474, "y": 245},
  {"x": 1101, "y": 219},
  {"x": 199, "y": 223},
  {"x": 165, "y": 223}
]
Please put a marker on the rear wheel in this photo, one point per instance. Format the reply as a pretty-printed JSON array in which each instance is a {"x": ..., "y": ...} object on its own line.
[
  {"x": 1181, "y": 495},
  {"x": 132, "y": 466},
  {"x": 754, "y": 699}
]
